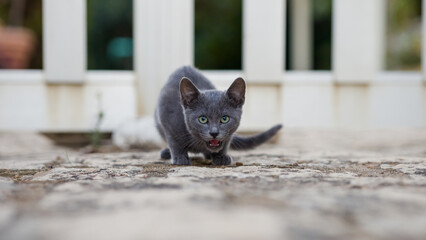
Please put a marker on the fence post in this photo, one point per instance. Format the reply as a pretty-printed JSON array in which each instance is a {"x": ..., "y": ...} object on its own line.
[
  {"x": 301, "y": 34},
  {"x": 163, "y": 33},
  {"x": 358, "y": 39},
  {"x": 263, "y": 55},
  {"x": 64, "y": 40}
]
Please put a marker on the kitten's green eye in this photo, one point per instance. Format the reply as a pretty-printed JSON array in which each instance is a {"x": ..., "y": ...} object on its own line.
[
  {"x": 203, "y": 119},
  {"x": 224, "y": 119}
]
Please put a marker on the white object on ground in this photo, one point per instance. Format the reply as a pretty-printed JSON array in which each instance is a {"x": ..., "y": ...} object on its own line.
[{"x": 140, "y": 133}]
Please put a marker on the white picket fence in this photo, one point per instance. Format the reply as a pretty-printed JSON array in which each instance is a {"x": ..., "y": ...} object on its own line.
[{"x": 65, "y": 96}]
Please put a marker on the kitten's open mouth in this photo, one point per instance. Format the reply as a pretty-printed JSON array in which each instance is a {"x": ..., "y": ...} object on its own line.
[{"x": 214, "y": 143}]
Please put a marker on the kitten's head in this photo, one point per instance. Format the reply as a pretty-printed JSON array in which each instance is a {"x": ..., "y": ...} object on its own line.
[{"x": 212, "y": 116}]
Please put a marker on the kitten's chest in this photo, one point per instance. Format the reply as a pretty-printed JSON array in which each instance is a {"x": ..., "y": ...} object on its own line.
[{"x": 198, "y": 147}]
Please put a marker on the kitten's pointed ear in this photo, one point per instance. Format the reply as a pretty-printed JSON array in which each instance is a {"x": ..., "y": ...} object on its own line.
[
  {"x": 188, "y": 92},
  {"x": 236, "y": 92}
]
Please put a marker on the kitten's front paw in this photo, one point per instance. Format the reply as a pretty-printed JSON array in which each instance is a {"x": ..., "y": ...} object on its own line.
[
  {"x": 181, "y": 161},
  {"x": 221, "y": 160},
  {"x": 165, "y": 154}
]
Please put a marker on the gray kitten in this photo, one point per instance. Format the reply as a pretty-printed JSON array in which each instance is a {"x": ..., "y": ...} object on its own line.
[{"x": 192, "y": 116}]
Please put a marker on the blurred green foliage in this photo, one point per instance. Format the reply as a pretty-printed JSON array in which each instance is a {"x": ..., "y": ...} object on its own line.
[
  {"x": 109, "y": 34},
  {"x": 404, "y": 35},
  {"x": 218, "y": 34},
  {"x": 32, "y": 19},
  {"x": 322, "y": 34}
]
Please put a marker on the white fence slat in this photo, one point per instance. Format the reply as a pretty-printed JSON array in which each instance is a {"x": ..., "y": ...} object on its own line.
[
  {"x": 163, "y": 33},
  {"x": 263, "y": 41},
  {"x": 301, "y": 34},
  {"x": 64, "y": 40},
  {"x": 358, "y": 39}
]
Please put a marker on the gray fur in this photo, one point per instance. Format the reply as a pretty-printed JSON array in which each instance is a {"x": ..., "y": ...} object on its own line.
[{"x": 188, "y": 95}]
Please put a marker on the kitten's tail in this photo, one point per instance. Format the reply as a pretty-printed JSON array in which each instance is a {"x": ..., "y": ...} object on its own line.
[{"x": 241, "y": 143}]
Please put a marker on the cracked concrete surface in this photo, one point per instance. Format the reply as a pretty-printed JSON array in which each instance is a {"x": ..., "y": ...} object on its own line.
[{"x": 313, "y": 184}]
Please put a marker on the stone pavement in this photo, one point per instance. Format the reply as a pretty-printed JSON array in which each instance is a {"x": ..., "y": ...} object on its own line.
[{"x": 313, "y": 184}]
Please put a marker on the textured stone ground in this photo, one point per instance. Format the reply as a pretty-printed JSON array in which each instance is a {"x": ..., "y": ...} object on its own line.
[{"x": 313, "y": 184}]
